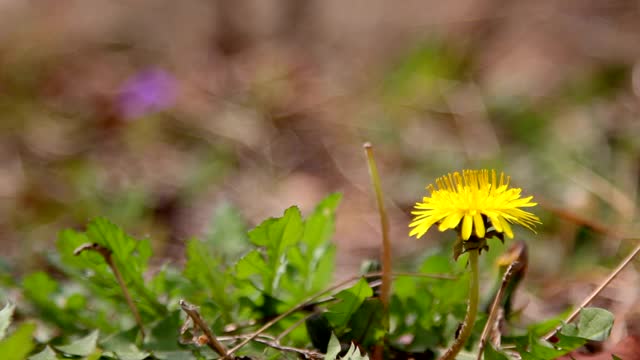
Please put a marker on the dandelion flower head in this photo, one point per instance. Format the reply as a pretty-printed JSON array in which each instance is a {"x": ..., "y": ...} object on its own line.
[{"x": 472, "y": 202}]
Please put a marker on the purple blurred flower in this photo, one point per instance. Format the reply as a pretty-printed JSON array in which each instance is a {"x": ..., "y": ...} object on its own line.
[{"x": 146, "y": 92}]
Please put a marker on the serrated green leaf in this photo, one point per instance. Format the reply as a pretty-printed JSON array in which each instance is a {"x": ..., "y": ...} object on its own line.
[
  {"x": 46, "y": 354},
  {"x": 129, "y": 255},
  {"x": 5, "y": 318},
  {"x": 276, "y": 235},
  {"x": 349, "y": 300},
  {"x": 333, "y": 349},
  {"x": 19, "y": 344},
  {"x": 81, "y": 347}
]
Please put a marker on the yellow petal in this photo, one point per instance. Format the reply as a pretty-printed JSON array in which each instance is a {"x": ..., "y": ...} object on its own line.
[
  {"x": 507, "y": 228},
  {"x": 495, "y": 221},
  {"x": 451, "y": 221},
  {"x": 478, "y": 223},
  {"x": 420, "y": 227},
  {"x": 467, "y": 225}
]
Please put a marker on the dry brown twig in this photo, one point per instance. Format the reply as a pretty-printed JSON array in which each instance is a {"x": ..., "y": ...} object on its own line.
[
  {"x": 506, "y": 278},
  {"x": 194, "y": 315},
  {"x": 597, "y": 291}
]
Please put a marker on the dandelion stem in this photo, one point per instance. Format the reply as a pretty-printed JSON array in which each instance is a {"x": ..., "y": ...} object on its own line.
[{"x": 472, "y": 309}]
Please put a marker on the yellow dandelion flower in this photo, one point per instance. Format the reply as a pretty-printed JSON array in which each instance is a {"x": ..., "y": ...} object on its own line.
[{"x": 474, "y": 201}]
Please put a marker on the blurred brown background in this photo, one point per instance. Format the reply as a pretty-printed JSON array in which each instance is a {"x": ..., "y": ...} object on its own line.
[{"x": 157, "y": 113}]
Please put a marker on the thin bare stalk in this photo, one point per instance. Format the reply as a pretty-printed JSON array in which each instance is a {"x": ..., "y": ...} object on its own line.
[
  {"x": 597, "y": 291},
  {"x": 106, "y": 254},
  {"x": 472, "y": 309},
  {"x": 506, "y": 278},
  {"x": 385, "y": 289},
  {"x": 212, "y": 341}
]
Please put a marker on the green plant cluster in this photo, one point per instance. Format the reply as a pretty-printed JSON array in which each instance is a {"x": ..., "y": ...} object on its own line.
[{"x": 241, "y": 280}]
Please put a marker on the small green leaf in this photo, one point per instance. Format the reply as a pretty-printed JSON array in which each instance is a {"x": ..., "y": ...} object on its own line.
[
  {"x": 46, "y": 354},
  {"x": 614, "y": 357},
  {"x": 5, "y": 318},
  {"x": 277, "y": 236},
  {"x": 333, "y": 349},
  {"x": 492, "y": 354},
  {"x": 19, "y": 344},
  {"x": 279, "y": 233},
  {"x": 349, "y": 302},
  {"x": 81, "y": 347},
  {"x": 595, "y": 324}
]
